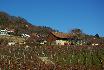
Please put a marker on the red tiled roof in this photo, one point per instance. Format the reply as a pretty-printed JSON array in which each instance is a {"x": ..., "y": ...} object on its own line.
[{"x": 61, "y": 35}]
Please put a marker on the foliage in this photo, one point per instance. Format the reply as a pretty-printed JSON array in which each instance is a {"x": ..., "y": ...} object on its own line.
[
  {"x": 76, "y": 31},
  {"x": 97, "y": 35}
]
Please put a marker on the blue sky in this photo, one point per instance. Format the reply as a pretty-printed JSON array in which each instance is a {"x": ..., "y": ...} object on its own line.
[{"x": 63, "y": 15}]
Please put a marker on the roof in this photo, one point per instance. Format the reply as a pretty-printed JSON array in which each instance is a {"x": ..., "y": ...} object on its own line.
[
  {"x": 3, "y": 30},
  {"x": 61, "y": 35}
]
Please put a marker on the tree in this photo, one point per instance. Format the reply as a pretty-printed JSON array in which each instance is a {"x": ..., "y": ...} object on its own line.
[
  {"x": 97, "y": 35},
  {"x": 76, "y": 31}
]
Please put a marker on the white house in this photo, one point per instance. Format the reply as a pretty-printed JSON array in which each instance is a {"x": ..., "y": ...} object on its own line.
[
  {"x": 61, "y": 42},
  {"x": 95, "y": 44},
  {"x": 3, "y": 32},
  {"x": 95, "y": 41},
  {"x": 25, "y": 35},
  {"x": 61, "y": 38},
  {"x": 6, "y": 32}
]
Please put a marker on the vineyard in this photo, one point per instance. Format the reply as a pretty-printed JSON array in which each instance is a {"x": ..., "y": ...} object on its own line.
[
  {"x": 24, "y": 46},
  {"x": 61, "y": 57}
]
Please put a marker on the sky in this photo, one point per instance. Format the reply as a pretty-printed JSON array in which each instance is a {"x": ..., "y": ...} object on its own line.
[{"x": 63, "y": 15}]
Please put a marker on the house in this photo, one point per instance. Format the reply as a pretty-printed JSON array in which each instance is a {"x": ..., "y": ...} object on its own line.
[
  {"x": 6, "y": 32},
  {"x": 11, "y": 31},
  {"x": 61, "y": 38},
  {"x": 3, "y": 32},
  {"x": 95, "y": 41},
  {"x": 25, "y": 35},
  {"x": 81, "y": 42}
]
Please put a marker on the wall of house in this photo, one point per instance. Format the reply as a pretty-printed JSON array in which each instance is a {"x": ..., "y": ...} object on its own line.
[
  {"x": 61, "y": 42},
  {"x": 3, "y": 32}
]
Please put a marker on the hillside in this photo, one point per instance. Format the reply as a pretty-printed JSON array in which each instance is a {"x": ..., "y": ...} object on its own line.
[
  {"x": 62, "y": 51},
  {"x": 20, "y": 25}
]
